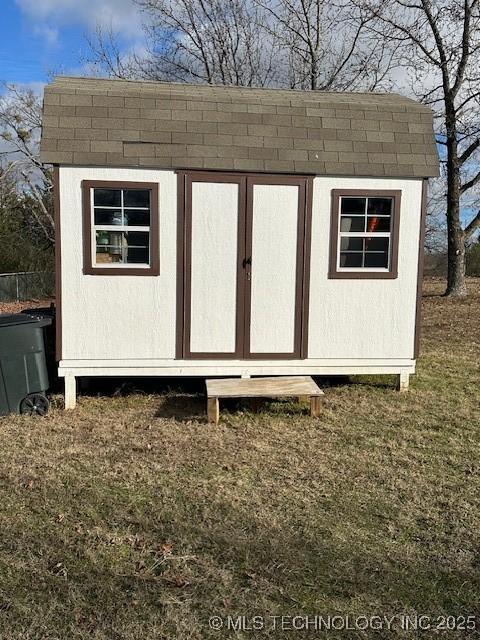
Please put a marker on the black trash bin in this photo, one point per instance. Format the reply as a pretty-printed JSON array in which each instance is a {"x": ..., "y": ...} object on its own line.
[
  {"x": 49, "y": 339},
  {"x": 23, "y": 369}
]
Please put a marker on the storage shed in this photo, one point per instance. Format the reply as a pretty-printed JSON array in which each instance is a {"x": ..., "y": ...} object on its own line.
[{"x": 224, "y": 231}]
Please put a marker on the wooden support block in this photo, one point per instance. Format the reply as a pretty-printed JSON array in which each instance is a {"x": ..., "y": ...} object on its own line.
[
  {"x": 213, "y": 410},
  {"x": 403, "y": 382},
  {"x": 301, "y": 399},
  {"x": 315, "y": 406},
  {"x": 70, "y": 392}
]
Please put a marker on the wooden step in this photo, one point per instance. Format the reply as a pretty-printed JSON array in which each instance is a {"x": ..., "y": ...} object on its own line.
[{"x": 278, "y": 387}]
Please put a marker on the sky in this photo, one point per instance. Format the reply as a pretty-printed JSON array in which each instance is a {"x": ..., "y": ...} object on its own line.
[{"x": 44, "y": 37}]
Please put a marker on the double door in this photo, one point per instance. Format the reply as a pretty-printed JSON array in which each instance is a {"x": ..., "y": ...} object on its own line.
[{"x": 244, "y": 246}]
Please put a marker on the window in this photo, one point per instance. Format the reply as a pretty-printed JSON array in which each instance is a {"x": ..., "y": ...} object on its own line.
[
  {"x": 121, "y": 228},
  {"x": 364, "y": 241}
]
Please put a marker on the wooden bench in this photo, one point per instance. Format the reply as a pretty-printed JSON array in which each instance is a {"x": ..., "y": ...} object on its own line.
[{"x": 281, "y": 387}]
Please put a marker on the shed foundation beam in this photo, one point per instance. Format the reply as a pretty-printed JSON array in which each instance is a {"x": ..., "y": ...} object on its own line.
[{"x": 70, "y": 392}]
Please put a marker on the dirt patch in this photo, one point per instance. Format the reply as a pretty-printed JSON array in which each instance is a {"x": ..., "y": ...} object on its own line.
[{"x": 18, "y": 307}]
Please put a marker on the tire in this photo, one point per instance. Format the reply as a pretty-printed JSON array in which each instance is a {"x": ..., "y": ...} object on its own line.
[{"x": 35, "y": 404}]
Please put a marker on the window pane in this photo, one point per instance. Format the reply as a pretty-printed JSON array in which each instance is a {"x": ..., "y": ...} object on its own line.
[
  {"x": 122, "y": 247},
  {"x": 107, "y": 197},
  {"x": 136, "y": 198},
  {"x": 136, "y": 218},
  {"x": 376, "y": 244},
  {"x": 353, "y": 205},
  {"x": 138, "y": 247},
  {"x": 352, "y": 224},
  {"x": 378, "y": 224},
  {"x": 351, "y": 244},
  {"x": 379, "y": 206},
  {"x": 138, "y": 255},
  {"x": 351, "y": 259},
  {"x": 379, "y": 260},
  {"x": 108, "y": 216}
]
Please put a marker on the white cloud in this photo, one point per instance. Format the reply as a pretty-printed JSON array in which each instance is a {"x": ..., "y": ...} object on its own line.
[
  {"x": 121, "y": 15},
  {"x": 49, "y": 34}
]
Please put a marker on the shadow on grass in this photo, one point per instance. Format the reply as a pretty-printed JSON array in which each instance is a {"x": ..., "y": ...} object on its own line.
[
  {"x": 124, "y": 387},
  {"x": 185, "y": 408},
  {"x": 182, "y": 407},
  {"x": 184, "y": 399}
]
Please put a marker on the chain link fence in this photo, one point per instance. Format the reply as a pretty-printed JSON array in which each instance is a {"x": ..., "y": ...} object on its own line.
[{"x": 27, "y": 285}]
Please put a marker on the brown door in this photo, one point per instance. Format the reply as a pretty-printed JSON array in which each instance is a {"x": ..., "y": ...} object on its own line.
[{"x": 243, "y": 266}]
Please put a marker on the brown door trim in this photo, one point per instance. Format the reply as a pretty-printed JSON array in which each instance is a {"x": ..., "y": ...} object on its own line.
[
  {"x": 184, "y": 239},
  {"x": 306, "y": 267},
  {"x": 239, "y": 347},
  {"x": 181, "y": 241},
  {"x": 299, "y": 312}
]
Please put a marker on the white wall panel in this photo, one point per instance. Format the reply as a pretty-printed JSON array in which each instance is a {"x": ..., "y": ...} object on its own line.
[
  {"x": 274, "y": 260},
  {"x": 117, "y": 316},
  {"x": 214, "y": 267},
  {"x": 134, "y": 317},
  {"x": 363, "y": 318}
]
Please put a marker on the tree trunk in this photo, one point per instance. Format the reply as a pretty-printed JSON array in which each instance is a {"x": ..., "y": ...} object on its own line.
[{"x": 456, "y": 285}]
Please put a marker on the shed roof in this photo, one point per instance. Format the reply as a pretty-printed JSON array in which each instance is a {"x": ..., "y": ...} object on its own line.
[{"x": 103, "y": 122}]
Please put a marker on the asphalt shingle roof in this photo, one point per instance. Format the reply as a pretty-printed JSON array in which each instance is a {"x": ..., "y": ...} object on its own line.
[{"x": 121, "y": 123}]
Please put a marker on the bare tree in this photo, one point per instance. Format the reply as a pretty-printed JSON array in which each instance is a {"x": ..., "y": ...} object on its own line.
[
  {"x": 304, "y": 44},
  {"x": 211, "y": 41},
  {"x": 20, "y": 126},
  {"x": 435, "y": 230},
  {"x": 107, "y": 58},
  {"x": 439, "y": 41},
  {"x": 327, "y": 44}
]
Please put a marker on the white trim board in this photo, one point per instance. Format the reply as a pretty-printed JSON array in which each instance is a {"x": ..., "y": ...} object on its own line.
[
  {"x": 402, "y": 363},
  {"x": 178, "y": 368}
]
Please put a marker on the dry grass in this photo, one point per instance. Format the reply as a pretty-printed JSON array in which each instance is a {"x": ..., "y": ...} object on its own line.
[{"x": 132, "y": 519}]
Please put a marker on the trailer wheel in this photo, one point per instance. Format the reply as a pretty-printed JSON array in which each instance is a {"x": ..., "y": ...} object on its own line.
[{"x": 35, "y": 404}]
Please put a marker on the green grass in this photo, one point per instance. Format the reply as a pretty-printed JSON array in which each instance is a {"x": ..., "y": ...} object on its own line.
[{"x": 131, "y": 518}]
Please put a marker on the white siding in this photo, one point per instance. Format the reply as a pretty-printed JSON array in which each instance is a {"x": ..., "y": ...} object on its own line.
[
  {"x": 117, "y": 316},
  {"x": 363, "y": 318},
  {"x": 126, "y": 318}
]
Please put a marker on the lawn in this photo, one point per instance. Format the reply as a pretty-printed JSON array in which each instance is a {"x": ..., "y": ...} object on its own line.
[{"x": 131, "y": 518}]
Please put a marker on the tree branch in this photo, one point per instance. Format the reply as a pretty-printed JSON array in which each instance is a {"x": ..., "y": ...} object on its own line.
[
  {"x": 472, "y": 226},
  {"x": 468, "y": 151},
  {"x": 471, "y": 183},
  {"x": 465, "y": 48}
]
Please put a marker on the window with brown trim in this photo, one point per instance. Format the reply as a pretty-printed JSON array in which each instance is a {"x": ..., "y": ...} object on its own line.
[
  {"x": 364, "y": 234},
  {"x": 120, "y": 228}
]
